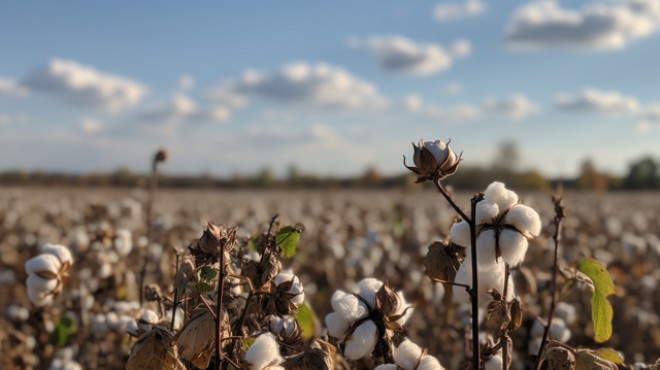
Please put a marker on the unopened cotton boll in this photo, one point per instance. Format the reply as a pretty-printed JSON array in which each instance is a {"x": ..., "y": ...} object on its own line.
[
  {"x": 264, "y": 352},
  {"x": 525, "y": 219},
  {"x": 362, "y": 341},
  {"x": 367, "y": 289},
  {"x": 513, "y": 246},
  {"x": 460, "y": 233},
  {"x": 407, "y": 354},
  {"x": 61, "y": 252},
  {"x": 498, "y": 193}
]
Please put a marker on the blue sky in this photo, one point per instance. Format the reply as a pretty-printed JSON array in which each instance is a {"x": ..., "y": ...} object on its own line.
[{"x": 333, "y": 87}]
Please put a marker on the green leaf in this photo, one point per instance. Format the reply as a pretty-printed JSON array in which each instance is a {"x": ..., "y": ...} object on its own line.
[
  {"x": 64, "y": 328},
  {"x": 247, "y": 342},
  {"x": 609, "y": 354},
  {"x": 253, "y": 243},
  {"x": 287, "y": 239},
  {"x": 305, "y": 319},
  {"x": 207, "y": 273},
  {"x": 601, "y": 309}
]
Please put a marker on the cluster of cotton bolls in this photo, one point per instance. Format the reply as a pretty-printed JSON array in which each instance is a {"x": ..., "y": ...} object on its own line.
[
  {"x": 47, "y": 273},
  {"x": 353, "y": 318},
  {"x": 503, "y": 230},
  {"x": 408, "y": 356},
  {"x": 64, "y": 360},
  {"x": 565, "y": 316}
]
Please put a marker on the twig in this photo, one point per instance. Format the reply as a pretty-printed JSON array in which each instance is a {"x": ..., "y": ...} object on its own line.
[
  {"x": 505, "y": 332},
  {"x": 219, "y": 356},
  {"x": 443, "y": 191},
  {"x": 559, "y": 216},
  {"x": 175, "y": 302},
  {"x": 160, "y": 156}
]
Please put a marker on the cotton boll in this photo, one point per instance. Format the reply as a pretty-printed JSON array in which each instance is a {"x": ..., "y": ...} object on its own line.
[
  {"x": 264, "y": 352},
  {"x": 17, "y": 313},
  {"x": 43, "y": 263},
  {"x": 61, "y": 252},
  {"x": 486, "y": 252},
  {"x": 460, "y": 234},
  {"x": 495, "y": 363},
  {"x": 386, "y": 367},
  {"x": 463, "y": 276},
  {"x": 41, "y": 285},
  {"x": 367, "y": 289},
  {"x": 407, "y": 354},
  {"x": 148, "y": 318},
  {"x": 348, "y": 306},
  {"x": 403, "y": 309},
  {"x": 362, "y": 341},
  {"x": 566, "y": 312},
  {"x": 39, "y": 298},
  {"x": 559, "y": 331},
  {"x": 498, "y": 193},
  {"x": 534, "y": 346},
  {"x": 537, "y": 328},
  {"x": 178, "y": 318},
  {"x": 525, "y": 219},
  {"x": 337, "y": 326},
  {"x": 513, "y": 246},
  {"x": 429, "y": 363},
  {"x": 132, "y": 328},
  {"x": 487, "y": 211},
  {"x": 99, "y": 324},
  {"x": 123, "y": 242}
]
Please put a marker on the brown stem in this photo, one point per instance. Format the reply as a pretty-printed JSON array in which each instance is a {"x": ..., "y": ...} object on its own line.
[
  {"x": 219, "y": 358},
  {"x": 153, "y": 187},
  {"x": 175, "y": 302},
  {"x": 474, "y": 292},
  {"x": 505, "y": 332},
  {"x": 559, "y": 216},
  {"x": 443, "y": 191}
]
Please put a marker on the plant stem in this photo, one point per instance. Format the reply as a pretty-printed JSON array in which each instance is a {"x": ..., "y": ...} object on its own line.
[
  {"x": 505, "y": 332},
  {"x": 559, "y": 216},
  {"x": 443, "y": 191},
  {"x": 153, "y": 187},
  {"x": 474, "y": 292},
  {"x": 176, "y": 295},
  {"x": 218, "y": 309}
]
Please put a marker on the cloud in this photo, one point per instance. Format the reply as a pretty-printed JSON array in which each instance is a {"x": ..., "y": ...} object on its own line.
[
  {"x": 453, "y": 88},
  {"x": 318, "y": 85},
  {"x": 9, "y": 87},
  {"x": 545, "y": 24},
  {"x": 278, "y": 135},
  {"x": 186, "y": 82},
  {"x": 590, "y": 99},
  {"x": 179, "y": 109},
  {"x": 412, "y": 103},
  {"x": 90, "y": 126},
  {"x": 516, "y": 106},
  {"x": 458, "y": 10},
  {"x": 401, "y": 55},
  {"x": 649, "y": 119},
  {"x": 85, "y": 85},
  {"x": 9, "y": 119}
]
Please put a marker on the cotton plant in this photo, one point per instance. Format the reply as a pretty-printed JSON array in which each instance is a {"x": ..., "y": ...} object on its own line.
[
  {"x": 409, "y": 356},
  {"x": 361, "y": 319},
  {"x": 47, "y": 273}
]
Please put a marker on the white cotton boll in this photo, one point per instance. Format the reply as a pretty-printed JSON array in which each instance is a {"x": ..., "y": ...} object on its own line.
[
  {"x": 123, "y": 242},
  {"x": 487, "y": 211},
  {"x": 178, "y": 318},
  {"x": 367, "y": 289},
  {"x": 17, "y": 313},
  {"x": 498, "y": 193},
  {"x": 264, "y": 352},
  {"x": 537, "y": 328},
  {"x": 59, "y": 251},
  {"x": 148, "y": 318},
  {"x": 534, "y": 346},
  {"x": 403, "y": 309},
  {"x": 429, "y": 363},
  {"x": 566, "y": 312},
  {"x": 460, "y": 234},
  {"x": 486, "y": 251},
  {"x": 386, "y": 367},
  {"x": 337, "y": 326},
  {"x": 559, "y": 331},
  {"x": 463, "y": 276},
  {"x": 43, "y": 263},
  {"x": 348, "y": 306},
  {"x": 513, "y": 246},
  {"x": 407, "y": 354},
  {"x": 41, "y": 285},
  {"x": 105, "y": 271},
  {"x": 495, "y": 363},
  {"x": 525, "y": 219},
  {"x": 132, "y": 328},
  {"x": 112, "y": 319},
  {"x": 99, "y": 324},
  {"x": 39, "y": 298},
  {"x": 362, "y": 341}
]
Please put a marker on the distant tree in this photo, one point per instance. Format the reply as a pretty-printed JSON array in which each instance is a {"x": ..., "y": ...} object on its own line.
[
  {"x": 264, "y": 178},
  {"x": 643, "y": 174},
  {"x": 590, "y": 178}
]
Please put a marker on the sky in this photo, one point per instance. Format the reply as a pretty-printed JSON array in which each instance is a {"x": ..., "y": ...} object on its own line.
[{"x": 331, "y": 87}]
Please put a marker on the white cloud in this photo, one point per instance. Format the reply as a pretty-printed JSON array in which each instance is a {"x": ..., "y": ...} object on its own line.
[
  {"x": 9, "y": 87},
  {"x": 186, "y": 82},
  {"x": 181, "y": 109},
  {"x": 412, "y": 103},
  {"x": 453, "y": 88},
  {"x": 401, "y": 55},
  {"x": 276, "y": 135},
  {"x": 17, "y": 118},
  {"x": 458, "y": 10},
  {"x": 608, "y": 25},
  {"x": 90, "y": 126},
  {"x": 319, "y": 85},
  {"x": 515, "y": 107},
  {"x": 649, "y": 119},
  {"x": 590, "y": 99},
  {"x": 85, "y": 85}
]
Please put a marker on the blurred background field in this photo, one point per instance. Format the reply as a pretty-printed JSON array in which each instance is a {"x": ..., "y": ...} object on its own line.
[{"x": 349, "y": 235}]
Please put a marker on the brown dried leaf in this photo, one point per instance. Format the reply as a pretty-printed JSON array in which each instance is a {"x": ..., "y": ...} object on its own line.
[
  {"x": 588, "y": 360},
  {"x": 154, "y": 350},
  {"x": 442, "y": 262},
  {"x": 558, "y": 358}
]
